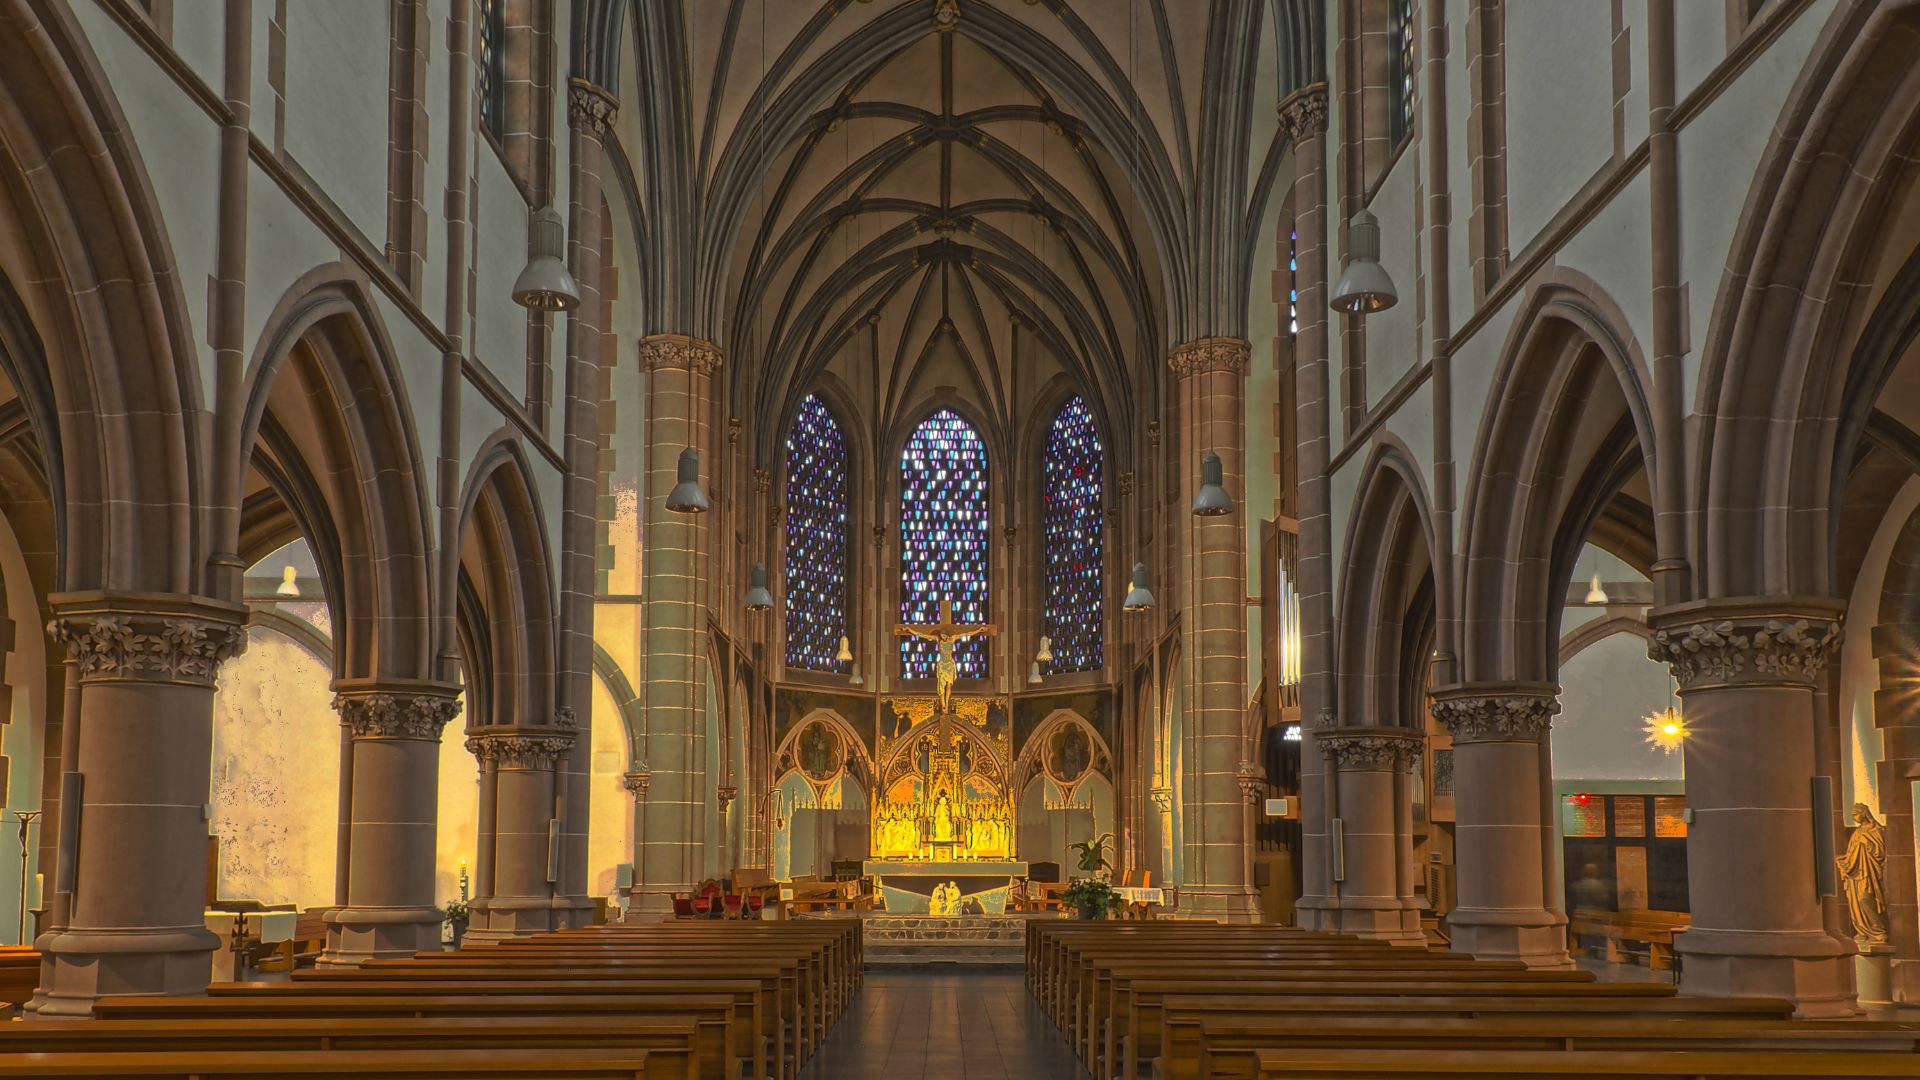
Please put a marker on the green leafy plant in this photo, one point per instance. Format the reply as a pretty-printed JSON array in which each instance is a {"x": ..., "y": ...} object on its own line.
[
  {"x": 1095, "y": 898},
  {"x": 1093, "y": 854},
  {"x": 457, "y": 912}
]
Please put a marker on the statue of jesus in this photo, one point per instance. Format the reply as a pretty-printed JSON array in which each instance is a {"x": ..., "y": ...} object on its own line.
[{"x": 944, "y": 634}]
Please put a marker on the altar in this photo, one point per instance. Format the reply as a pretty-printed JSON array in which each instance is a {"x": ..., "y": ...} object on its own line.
[{"x": 963, "y": 886}]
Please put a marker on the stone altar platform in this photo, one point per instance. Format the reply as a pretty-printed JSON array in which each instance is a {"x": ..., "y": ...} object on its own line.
[
  {"x": 907, "y": 887},
  {"x": 927, "y": 940}
]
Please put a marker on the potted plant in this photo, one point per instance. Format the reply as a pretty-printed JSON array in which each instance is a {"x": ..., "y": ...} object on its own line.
[
  {"x": 457, "y": 916},
  {"x": 1095, "y": 898},
  {"x": 1093, "y": 856}
]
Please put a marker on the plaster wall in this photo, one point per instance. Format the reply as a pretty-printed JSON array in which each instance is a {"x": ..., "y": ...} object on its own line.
[
  {"x": 1607, "y": 690},
  {"x": 1559, "y": 107},
  {"x": 1393, "y": 336},
  {"x": 337, "y": 83},
  {"x": 1859, "y": 675},
  {"x": 22, "y": 737},
  {"x": 610, "y": 808}
]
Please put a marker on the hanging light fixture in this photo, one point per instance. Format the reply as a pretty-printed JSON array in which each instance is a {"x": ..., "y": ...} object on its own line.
[
  {"x": 846, "y": 650},
  {"x": 1138, "y": 598},
  {"x": 289, "y": 582},
  {"x": 1045, "y": 655},
  {"x": 1666, "y": 729},
  {"x": 1596, "y": 595},
  {"x": 545, "y": 284},
  {"x": 854, "y": 679},
  {"x": 1212, "y": 499},
  {"x": 758, "y": 598},
  {"x": 1364, "y": 286},
  {"x": 687, "y": 497},
  {"x": 1033, "y": 674}
]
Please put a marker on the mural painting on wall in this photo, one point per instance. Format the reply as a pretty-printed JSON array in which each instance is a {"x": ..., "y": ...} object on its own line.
[
  {"x": 1095, "y": 706},
  {"x": 792, "y": 706}
]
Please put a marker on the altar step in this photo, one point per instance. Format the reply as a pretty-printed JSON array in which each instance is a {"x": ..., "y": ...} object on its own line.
[{"x": 945, "y": 940}]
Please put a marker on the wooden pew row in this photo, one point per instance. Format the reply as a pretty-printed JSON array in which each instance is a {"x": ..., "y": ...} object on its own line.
[
  {"x": 19, "y": 974},
  {"x": 334, "y": 1065},
  {"x": 716, "y": 1014},
  {"x": 842, "y": 940},
  {"x": 677, "y": 1046},
  {"x": 1204, "y": 1045},
  {"x": 1583, "y": 1065}
]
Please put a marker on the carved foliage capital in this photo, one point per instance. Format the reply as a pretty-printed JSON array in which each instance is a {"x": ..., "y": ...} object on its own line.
[
  {"x": 1162, "y": 798},
  {"x": 590, "y": 108},
  {"x": 679, "y": 351},
  {"x": 1253, "y": 782},
  {"x": 638, "y": 781},
  {"x": 1375, "y": 749},
  {"x": 1496, "y": 716},
  {"x": 1748, "y": 649},
  {"x": 179, "y": 646},
  {"x": 526, "y": 748},
  {"x": 1303, "y": 115},
  {"x": 387, "y": 714},
  {"x": 1210, "y": 354}
]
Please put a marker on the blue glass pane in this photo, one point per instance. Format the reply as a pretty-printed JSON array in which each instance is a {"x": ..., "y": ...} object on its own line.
[
  {"x": 1075, "y": 541},
  {"x": 816, "y": 539},
  {"x": 943, "y": 539}
]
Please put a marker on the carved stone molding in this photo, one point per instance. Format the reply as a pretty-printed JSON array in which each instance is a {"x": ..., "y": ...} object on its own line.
[
  {"x": 1497, "y": 712},
  {"x": 1390, "y": 749},
  {"x": 148, "y": 638},
  {"x": 726, "y": 793},
  {"x": 1252, "y": 781},
  {"x": 665, "y": 351},
  {"x": 946, "y": 15},
  {"x": 1303, "y": 113},
  {"x": 590, "y": 108},
  {"x": 564, "y": 716},
  {"x": 387, "y": 713},
  {"x": 522, "y": 748},
  {"x": 1721, "y": 644},
  {"x": 637, "y": 782},
  {"x": 1161, "y": 797},
  {"x": 1210, "y": 354}
]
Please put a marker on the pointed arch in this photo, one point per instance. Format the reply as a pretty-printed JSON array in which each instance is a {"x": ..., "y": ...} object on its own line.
[
  {"x": 509, "y": 593},
  {"x": 1386, "y": 596}
]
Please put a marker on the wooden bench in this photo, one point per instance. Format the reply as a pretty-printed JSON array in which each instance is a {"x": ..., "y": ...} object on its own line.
[
  {"x": 19, "y": 974},
  {"x": 678, "y": 1047},
  {"x": 1585, "y": 1065},
  {"x": 337, "y": 1065},
  {"x": 1611, "y": 930}
]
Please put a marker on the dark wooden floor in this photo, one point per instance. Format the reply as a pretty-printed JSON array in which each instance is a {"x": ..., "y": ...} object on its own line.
[{"x": 962, "y": 1025}]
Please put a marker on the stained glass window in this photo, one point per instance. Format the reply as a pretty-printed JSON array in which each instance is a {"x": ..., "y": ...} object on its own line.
[
  {"x": 493, "y": 72},
  {"x": 1400, "y": 75},
  {"x": 943, "y": 539},
  {"x": 1293, "y": 282},
  {"x": 1071, "y": 527},
  {"x": 816, "y": 523}
]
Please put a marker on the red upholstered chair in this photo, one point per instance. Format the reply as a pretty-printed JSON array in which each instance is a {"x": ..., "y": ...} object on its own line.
[
  {"x": 732, "y": 902},
  {"x": 683, "y": 907},
  {"x": 755, "y": 903}
]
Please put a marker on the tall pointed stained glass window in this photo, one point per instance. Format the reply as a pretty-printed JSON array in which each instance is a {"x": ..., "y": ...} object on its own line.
[
  {"x": 943, "y": 539},
  {"x": 817, "y": 540},
  {"x": 1071, "y": 487}
]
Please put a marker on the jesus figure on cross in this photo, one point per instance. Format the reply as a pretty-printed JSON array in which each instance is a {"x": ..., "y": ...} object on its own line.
[{"x": 944, "y": 634}]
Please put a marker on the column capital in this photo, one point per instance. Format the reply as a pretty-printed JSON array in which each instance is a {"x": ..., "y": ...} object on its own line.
[
  {"x": 1303, "y": 113},
  {"x": 1374, "y": 749},
  {"x": 1751, "y": 641},
  {"x": 521, "y": 747},
  {"x": 396, "y": 708},
  {"x": 637, "y": 781},
  {"x": 1196, "y": 357},
  {"x": 1253, "y": 782},
  {"x": 1496, "y": 711},
  {"x": 148, "y": 637},
  {"x": 658, "y": 351},
  {"x": 1161, "y": 796},
  {"x": 590, "y": 108}
]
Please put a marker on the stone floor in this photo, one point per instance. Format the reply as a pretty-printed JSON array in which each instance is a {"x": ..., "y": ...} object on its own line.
[{"x": 963, "y": 1025}]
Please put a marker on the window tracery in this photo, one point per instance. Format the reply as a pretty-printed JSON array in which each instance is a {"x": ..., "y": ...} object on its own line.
[
  {"x": 1074, "y": 541},
  {"x": 817, "y": 525},
  {"x": 944, "y": 537}
]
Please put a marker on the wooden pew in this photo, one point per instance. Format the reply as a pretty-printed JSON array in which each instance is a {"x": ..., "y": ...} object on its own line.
[
  {"x": 337, "y": 1065},
  {"x": 677, "y": 1046},
  {"x": 1584, "y": 1065},
  {"x": 715, "y": 1013},
  {"x": 19, "y": 974},
  {"x": 1222, "y": 1049}
]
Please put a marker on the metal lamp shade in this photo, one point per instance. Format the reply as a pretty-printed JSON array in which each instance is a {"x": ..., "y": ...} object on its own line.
[
  {"x": 687, "y": 497},
  {"x": 758, "y": 598},
  {"x": 1364, "y": 286},
  {"x": 1138, "y": 598},
  {"x": 545, "y": 284},
  {"x": 1212, "y": 499}
]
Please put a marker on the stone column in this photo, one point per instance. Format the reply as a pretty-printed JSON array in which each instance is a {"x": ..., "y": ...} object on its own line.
[
  {"x": 1303, "y": 116},
  {"x": 671, "y": 856},
  {"x": 395, "y": 726},
  {"x": 522, "y": 766},
  {"x": 590, "y": 113},
  {"x": 135, "y": 865},
  {"x": 1896, "y": 712},
  {"x": 1503, "y": 835},
  {"x": 1746, "y": 669},
  {"x": 1369, "y": 774},
  {"x": 1214, "y": 881}
]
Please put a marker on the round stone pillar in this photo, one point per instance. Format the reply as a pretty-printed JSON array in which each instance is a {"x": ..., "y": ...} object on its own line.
[
  {"x": 1747, "y": 670},
  {"x": 520, "y": 766},
  {"x": 394, "y": 818},
  {"x": 132, "y": 849},
  {"x": 1369, "y": 770},
  {"x": 1503, "y": 836}
]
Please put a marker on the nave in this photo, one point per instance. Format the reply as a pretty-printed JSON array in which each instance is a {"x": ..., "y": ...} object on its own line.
[{"x": 952, "y": 1024}]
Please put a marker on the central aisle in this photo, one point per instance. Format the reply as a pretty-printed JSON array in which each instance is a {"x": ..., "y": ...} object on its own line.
[{"x": 959, "y": 1025}]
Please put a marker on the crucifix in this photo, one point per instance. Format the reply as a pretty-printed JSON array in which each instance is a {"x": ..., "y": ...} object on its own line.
[{"x": 944, "y": 634}]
